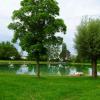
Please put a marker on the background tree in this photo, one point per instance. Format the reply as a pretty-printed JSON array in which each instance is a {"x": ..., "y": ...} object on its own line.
[
  {"x": 87, "y": 41},
  {"x": 35, "y": 25},
  {"x": 53, "y": 52},
  {"x": 8, "y": 51},
  {"x": 65, "y": 54}
]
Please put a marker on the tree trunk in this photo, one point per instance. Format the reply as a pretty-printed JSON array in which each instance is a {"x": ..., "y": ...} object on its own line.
[
  {"x": 38, "y": 69},
  {"x": 94, "y": 67}
]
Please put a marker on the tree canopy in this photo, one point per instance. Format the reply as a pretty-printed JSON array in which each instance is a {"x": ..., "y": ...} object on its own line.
[
  {"x": 87, "y": 41},
  {"x": 35, "y": 25}
]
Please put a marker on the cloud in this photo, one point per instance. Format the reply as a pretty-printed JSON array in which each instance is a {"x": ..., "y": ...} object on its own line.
[
  {"x": 71, "y": 11},
  {"x": 6, "y": 9},
  {"x": 73, "y": 8}
]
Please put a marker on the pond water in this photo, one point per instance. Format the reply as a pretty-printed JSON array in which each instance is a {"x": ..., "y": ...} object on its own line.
[{"x": 50, "y": 69}]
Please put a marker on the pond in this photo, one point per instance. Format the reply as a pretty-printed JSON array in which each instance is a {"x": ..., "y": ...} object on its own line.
[{"x": 47, "y": 69}]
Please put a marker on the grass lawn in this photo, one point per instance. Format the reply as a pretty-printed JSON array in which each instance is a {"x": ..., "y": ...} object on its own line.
[{"x": 13, "y": 87}]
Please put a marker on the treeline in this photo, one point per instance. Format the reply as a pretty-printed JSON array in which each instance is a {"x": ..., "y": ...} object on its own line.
[
  {"x": 8, "y": 51},
  {"x": 54, "y": 53}
]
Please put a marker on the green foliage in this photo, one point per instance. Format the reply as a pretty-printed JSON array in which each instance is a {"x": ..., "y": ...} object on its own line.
[
  {"x": 31, "y": 57},
  {"x": 35, "y": 25},
  {"x": 8, "y": 51},
  {"x": 53, "y": 52},
  {"x": 87, "y": 39},
  {"x": 65, "y": 54}
]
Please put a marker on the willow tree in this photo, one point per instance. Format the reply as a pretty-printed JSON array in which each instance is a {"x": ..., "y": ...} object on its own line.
[
  {"x": 35, "y": 25},
  {"x": 87, "y": 41}
]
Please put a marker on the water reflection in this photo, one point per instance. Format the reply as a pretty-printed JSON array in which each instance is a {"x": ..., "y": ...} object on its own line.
[
  {"x": 58, "y": 70},
  {"x": 72, "y": 71},
  {"x": 50, "y": 69},
  {"x": 90, "y": 72},
  {"x": 32, "y": 72},
  {"x": 11, "y": 66},
  {"x": 22, "y": 70}
]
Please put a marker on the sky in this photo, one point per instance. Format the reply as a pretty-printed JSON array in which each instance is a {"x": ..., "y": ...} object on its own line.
[{"x": 71, "y": 11}]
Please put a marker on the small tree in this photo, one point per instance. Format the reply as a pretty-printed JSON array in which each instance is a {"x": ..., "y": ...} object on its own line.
[
  {"x": 8, "y": 51},
  {"x": 87, "y": 41},
  {"x": 35, "y": 25},
  {"x": 65, "y": 54}
]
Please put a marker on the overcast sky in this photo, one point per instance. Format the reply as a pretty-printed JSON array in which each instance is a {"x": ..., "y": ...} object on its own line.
[{"x": 71, "y": 11}]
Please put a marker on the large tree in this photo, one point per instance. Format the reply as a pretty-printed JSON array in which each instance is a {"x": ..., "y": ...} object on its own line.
[
  {"x": 8, "y": 51},
  {"x": 35, "y": 25},
  {"x": 87, "y": 41}
]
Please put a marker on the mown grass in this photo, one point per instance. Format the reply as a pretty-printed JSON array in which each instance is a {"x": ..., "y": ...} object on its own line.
[
  {"x": 19, "y": 62},
  {"x": 41, "y": 62},
  {"x": 22, "y": 87},
  {"x": 26, "y": 62}
]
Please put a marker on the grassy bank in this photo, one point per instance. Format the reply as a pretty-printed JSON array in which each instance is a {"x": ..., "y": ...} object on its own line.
[
  {"x": 19, "y": 62},
  {"x": 13, "y": 87},
  {"x": 25, "y": 62},
  {"x": 41, "y": 62}
]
